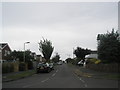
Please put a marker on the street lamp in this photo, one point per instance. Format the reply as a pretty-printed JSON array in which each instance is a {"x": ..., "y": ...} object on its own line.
[{"x": 24, "y": 50}]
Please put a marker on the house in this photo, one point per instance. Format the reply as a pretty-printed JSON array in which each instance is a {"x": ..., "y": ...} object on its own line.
[
  {"x": 93, "y": 54},
  {"x": 40, "y": 58},
  {"x": 33, "y": 54},
  {"x": 5, "y": 51}
]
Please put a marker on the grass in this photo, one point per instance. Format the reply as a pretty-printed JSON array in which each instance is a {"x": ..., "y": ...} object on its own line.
[
  {"x": 21, "y": 75},
  {"x": 112, "y": 76}
]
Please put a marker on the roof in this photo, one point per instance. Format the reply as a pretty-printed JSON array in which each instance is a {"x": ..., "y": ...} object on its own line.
[
  {"x": 92, "y": 56},
  {"x": 38, "y": 55},
  {"x": 3, "y": 45}
]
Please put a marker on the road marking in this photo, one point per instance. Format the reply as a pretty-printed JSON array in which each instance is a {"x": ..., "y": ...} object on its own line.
[
  {"x": 45, "y": 80},
  {"x": 53, "y": 75},
  {"x": 85, "y": 85},
  {"x": 82, "y": 80},
  {"x": 57, "y": 70}
]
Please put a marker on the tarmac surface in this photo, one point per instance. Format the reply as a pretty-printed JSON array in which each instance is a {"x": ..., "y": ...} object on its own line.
[{"x": 64, "y": 76}]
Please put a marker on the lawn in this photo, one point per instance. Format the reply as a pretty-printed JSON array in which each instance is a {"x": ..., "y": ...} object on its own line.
[{"x": 21, "y": 75}]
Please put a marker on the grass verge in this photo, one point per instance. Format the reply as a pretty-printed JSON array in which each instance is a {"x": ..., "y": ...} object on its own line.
[
  {"x": 114, "y": 76},
  {"x": 21, "y": 75}
]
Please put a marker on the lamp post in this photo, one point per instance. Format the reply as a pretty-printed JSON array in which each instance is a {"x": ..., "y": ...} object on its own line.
[{"x": 24, "y": 50}]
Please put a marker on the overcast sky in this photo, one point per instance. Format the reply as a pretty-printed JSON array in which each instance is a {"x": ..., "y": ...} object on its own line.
[{"x": 66, "y": 24}]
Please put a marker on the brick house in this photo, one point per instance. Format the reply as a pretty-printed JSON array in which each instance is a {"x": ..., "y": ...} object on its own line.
[{"x": 4, "y": 51}]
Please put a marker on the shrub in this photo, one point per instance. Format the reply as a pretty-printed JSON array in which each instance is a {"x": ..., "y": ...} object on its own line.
[
  {"x": 94, "y": 61},
  {"x": 98, "y": 61}
]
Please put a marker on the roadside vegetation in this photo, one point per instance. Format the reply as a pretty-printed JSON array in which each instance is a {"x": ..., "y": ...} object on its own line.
[
  {"x": 108, "y": 51},
  {"x": 20, "y": 75}
]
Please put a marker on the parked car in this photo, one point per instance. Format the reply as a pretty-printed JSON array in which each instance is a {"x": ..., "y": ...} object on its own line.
[
  {"x": 51, "y": 66},
  {"x": 43, "y": 67},
  {"x": 59, "y": 63}
]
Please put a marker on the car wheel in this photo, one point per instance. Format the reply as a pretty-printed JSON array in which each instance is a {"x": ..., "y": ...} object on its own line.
[
  {"x": 37, "y": 72},
  {"x": 48, "y": 70}
]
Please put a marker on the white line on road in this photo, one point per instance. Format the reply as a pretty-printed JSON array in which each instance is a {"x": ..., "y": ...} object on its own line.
[
  {"x": 56, "y": 70},
  {"x": 85, "y": 85},
  {"x": 82, "y": 80},
  {"x": 45, "y": 80},
  {"x": 53, "y": 75}
]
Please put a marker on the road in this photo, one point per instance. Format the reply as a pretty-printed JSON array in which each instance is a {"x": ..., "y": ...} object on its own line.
[{"x": 61, "y": 77}]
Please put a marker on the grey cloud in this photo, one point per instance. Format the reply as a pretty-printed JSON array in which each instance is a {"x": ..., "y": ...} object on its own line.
[{"x": 67, "y": 25}]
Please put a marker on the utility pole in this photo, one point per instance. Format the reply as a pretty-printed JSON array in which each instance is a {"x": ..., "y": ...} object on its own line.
[{"x": 24, "y": 50}]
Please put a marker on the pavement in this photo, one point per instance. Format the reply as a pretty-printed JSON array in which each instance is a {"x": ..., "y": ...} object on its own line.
[{"x": 63, "y": 76}]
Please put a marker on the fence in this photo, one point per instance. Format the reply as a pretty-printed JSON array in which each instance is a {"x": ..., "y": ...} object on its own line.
[
  {"x": 8, "y": 67},
  {"x": 104, "y": 67}
]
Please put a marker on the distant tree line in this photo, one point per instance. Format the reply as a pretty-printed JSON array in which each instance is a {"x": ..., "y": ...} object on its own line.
[{"x": 18, "y": 55}]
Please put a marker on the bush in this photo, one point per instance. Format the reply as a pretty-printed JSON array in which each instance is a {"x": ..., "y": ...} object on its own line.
[
  {"x": 94, "y": 61},
  {"x": 98, "y": 61}
]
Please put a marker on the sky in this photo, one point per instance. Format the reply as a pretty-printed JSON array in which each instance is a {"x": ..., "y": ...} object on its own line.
[{"x": 66, "y": 24}]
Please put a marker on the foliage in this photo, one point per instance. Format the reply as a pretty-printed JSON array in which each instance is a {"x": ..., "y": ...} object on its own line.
[
  {"x": 19, "y": 55},
  {"x": 94, "y": 61},
  {"x": 109, "y": 47},
  {"x": 69, "y": 60},
  {"x": 75, "y": 61},
  {"x": 46, "y": 48},
  {"x": 56, "y": 58},
  {"x": 80, "y": 52}
]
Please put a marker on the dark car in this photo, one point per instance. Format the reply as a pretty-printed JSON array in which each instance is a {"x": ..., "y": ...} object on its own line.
[{"x": 43, "y": 67}]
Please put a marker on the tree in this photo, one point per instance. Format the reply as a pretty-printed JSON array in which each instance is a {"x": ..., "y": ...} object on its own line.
[
  {"x": 46, "y": 48},
  {"x": 80, "y": 52},
  {"x": 56, "y": 58},
  {"x": 19, "y": 55},
  {"x": 109, "y": 47}
]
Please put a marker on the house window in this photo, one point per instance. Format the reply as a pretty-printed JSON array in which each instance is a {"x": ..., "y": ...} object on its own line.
[
  {"x": 5, "y": 53},
  {"x": 8, "y": 52}
]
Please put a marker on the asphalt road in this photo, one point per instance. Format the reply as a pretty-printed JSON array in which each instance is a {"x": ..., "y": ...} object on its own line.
[{"x": 61, "y": 77}]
